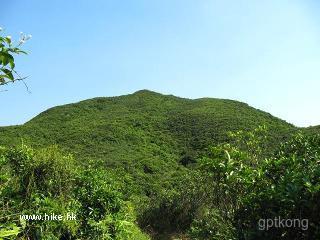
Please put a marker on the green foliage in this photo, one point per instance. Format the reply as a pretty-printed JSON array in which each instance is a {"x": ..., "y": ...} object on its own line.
[
  {"x": 169, "y": 212},
  {"x": 9, "y": 231},
  {"x": 228, "y": 170},
  {"x": 47, "y": 181},
  {"x": 7, "y": 63},
  {"x": 248, "y": 187},
  {"x": 212, "y": 226},
  {"x": 251, "y": 142},
  {"x": 150, "y": 137},
  {"x": 47, "y": 171},
  {"x": 103, "y": 212},
  {"x": 38, "y": 182},
  {"x": 146, "y": 158},
  {"x": 289, "y": 187}
]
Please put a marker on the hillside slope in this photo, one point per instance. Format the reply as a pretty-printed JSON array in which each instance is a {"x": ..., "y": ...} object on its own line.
[
  {"x": 313, "y": 129},
  {"x": 145, "y": 133}
]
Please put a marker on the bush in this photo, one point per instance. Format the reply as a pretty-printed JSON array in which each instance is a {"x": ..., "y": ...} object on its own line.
[
  {"x": 289, "y": 188},
  {"x": 247, "y": 187},
  {"x": 47, "y": 171},
  {"x": 38, "y": 182},
  {"x": 103, "y": 213},
  {"x": 212, "y": 226},
  {"x": 47, "y": 181},
  {"x": 172, "y": 211}
]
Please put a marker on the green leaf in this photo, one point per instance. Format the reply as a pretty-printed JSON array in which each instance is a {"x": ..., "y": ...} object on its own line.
[
  {"x": 7, "y": 232},
  {"x": 8, "y": 40},
  {"x": 8, "y": 73},
  {"x": 11, "y": 62},
  {"x": 6, "y": 58},
  {"x": 18, "y": 51}
]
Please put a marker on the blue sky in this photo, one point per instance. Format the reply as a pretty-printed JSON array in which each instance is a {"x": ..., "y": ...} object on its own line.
[{"x": 264, "y": 53}]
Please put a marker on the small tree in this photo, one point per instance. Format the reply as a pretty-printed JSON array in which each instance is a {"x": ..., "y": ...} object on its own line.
[{"x": 8, "y": 49}]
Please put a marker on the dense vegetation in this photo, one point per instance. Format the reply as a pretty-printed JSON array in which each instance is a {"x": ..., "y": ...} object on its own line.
[
  {"x": 147, "y": 166},
  {"x": 146, "y": 134},
  {"x": 46, "y": 181}
]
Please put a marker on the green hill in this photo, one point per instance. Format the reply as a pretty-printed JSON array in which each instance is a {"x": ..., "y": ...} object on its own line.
[
  {"x": 145, "y": 134},
  {"x": 313, "y": 129},
  {"x": 143, "y": 165}
]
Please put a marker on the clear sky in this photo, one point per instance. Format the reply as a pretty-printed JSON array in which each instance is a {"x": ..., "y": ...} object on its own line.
[{"x": 264, "y": 53}]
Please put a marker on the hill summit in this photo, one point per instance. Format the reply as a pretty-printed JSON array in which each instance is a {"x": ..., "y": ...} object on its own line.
[{"x": 145, "y": 133}]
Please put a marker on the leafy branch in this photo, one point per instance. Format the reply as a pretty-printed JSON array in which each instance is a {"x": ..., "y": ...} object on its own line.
[{"x": 8, "y": 74}]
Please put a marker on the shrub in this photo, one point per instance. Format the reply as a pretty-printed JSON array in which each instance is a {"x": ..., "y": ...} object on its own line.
[
  {"x": 47, "y": 181},
  {"x": 39, "y": 182},
  {"x": 248, "y": 187},
  {"x": 212, "y": 226},
  {"x": 103, "y": 213},
  {"x": 288, "y": 188},
  {"x": 46, "y": 171}
]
